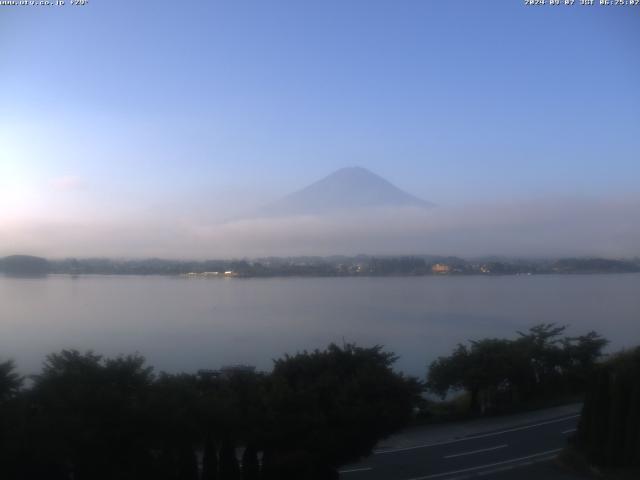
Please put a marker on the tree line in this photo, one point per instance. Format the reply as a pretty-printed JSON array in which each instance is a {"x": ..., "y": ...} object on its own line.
[
  {"x": 361, "y": 265},
  {"x": 87, "y": 417},
  {"x": 498, "y": 374}
]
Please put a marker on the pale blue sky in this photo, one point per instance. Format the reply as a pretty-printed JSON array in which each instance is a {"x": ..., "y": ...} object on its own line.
[{"x": 145, "y": 103}]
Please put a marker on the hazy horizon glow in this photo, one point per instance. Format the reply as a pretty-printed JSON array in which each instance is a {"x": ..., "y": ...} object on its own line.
[
  {"x": 136, "y": 129},
  {"x": 575, "y": 227}
]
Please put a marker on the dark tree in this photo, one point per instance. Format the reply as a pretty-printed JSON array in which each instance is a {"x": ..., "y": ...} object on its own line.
[
  {"x": 229, "y": 467},
  {"x": 250, "y": 465},
  {"x": 10, "y": 381},
  {"x": 497, "y": 373},
  {"x": 486, "y": 370},
  {"x": 581, "y": 354},
  {"x": 92, "y": 418},
  {"x": 209, "y": 460},
  {"x": 329, "y": 408},
  {"x": 609, "y": 429},
  {"x": 174, "y": 423},
  {"x": 88, "y": 415}
]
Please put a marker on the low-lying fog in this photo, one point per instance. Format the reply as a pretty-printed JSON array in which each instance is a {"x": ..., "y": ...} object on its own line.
[{"x": 549, "y": 227}]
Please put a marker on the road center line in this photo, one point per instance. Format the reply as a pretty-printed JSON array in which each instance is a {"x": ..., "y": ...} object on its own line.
[
  {"x": 353, "y": 470},
  {"x": 476, "y": 451},
  {"x": 474, "y": 437},
  {"x": 569, "y": 431},
  {"x": 489, "y": 465}
]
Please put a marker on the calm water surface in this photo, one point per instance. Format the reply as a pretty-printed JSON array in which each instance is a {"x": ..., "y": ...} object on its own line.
[{"x": 186, "y": 324}]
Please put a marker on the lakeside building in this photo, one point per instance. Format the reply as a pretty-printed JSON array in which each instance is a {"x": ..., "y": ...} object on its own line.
[{"x": 441, "y": 268}]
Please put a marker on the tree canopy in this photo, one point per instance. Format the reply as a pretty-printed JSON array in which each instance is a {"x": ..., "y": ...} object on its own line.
[
  {"x": 501, "y": 372},
  {"x": 90, "y": 417}
]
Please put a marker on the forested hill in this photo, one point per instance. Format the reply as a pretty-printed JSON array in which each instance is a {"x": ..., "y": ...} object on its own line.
[{"x": 24, "y": 265}]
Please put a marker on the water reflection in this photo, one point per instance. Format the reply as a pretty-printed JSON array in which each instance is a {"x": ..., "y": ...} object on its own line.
[{"x": 188, "y": 324}]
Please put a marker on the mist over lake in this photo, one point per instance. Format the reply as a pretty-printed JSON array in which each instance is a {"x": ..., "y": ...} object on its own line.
[{"x": 188, "y": 324}]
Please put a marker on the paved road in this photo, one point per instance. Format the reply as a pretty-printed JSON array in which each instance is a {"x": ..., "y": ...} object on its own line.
[{"x": 490, "y": 453}]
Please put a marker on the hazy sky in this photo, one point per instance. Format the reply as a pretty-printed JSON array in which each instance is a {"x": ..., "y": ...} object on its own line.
[{"x": 156, "y": 113}]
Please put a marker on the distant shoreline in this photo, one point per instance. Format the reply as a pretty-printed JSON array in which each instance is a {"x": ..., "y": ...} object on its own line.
[
  {"x": 316, "y": 267},
  {"x": 240, "y": 277}
]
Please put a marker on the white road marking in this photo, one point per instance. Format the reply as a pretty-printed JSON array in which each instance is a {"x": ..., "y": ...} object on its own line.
[
  {"x": 352, "y": 470},
  {"x": 569, "y": 431},
  {"x": 489, "y": 465},
  {"x": 474, "y": 437},
  {"x": 476, "y": 451}
]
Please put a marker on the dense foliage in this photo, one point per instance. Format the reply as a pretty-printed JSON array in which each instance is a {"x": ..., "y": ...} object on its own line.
[
  {"x": 609, "y": 429},
  {"x": 499, "y": 373},
  {"x": 92, "y": 418}
]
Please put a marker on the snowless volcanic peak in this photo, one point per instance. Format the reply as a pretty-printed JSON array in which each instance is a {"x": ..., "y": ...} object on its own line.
[{"x": 344, "y": 189}]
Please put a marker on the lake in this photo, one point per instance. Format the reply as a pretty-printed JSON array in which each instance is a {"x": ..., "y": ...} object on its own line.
[{"x": 186, "y": 324}]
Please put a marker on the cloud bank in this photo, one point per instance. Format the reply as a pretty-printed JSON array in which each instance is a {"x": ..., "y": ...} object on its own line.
[{"x": 560, "y": 227}]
